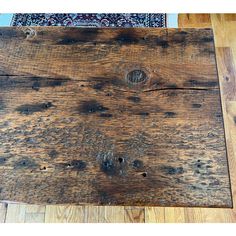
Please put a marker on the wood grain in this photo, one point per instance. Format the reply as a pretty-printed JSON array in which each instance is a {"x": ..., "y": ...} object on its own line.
[
  {"x": 154, "y": 215},
  {"x": 3, "y": 211},
  {"x": 35, "y": 214},
  {"x": 64, "y": 214},
  {"x": 134, "y": 215},
  {"x": 15, "y": 213},
  {"x": 111, "y": 117},
  {"x": 111, "y": 214}
]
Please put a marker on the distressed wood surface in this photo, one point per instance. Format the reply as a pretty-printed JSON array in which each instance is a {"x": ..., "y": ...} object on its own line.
[{"x": 111, "y": 117}]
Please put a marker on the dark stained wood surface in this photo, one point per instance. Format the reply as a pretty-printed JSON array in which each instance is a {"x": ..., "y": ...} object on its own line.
[{"x": 111, "y": 117}]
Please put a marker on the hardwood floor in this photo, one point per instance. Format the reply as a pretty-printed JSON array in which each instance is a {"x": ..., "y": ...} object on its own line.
[{"x": 224, "y": 27}]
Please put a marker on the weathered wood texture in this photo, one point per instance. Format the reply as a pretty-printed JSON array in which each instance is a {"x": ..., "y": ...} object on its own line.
[{"x": 111, "y": 117}]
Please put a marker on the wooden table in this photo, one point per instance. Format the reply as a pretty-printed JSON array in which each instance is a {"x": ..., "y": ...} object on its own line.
[{"x": 111, "y": 117}]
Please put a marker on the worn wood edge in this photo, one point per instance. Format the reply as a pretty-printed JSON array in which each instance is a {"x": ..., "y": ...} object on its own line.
[{"x": 224, "y": 128}]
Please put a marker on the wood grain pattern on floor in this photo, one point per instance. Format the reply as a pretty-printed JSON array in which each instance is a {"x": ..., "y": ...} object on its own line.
[{"x": 225, "y": 32}]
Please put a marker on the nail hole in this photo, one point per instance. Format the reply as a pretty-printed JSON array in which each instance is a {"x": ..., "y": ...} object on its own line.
[
  {"x": 23, "y": 163},
  {"x": 68, "y": 165},
  {"x": 144, "y": 174},
  {"x": 108, "y": 94},
  {"x": 198, "y": 166},
  {"x": 120, "y": 159},
  {"x": 81, "y": 85},
  {"x": 43, "y": 168},
  {"x": 198, "y": 160}
]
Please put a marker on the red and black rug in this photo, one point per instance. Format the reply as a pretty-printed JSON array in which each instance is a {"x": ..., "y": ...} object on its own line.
[{"x": 91, "y": 20}]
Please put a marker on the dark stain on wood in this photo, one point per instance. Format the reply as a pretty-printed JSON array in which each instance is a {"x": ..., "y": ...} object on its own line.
[
  {"x": 137, "y": 164},
  {"x": 105, "y": 115},
  {"x": 36, "y": 86},
  {"x": 92, "y": 106},
  {"x": 98, "y": 86},
  {"x": 170, "y": 114},
  {"x": 126, "y": 37},
  {"x": 134, "y": 99},
  {"x": 68, "y": 41},
  {"x": 16, "y": 82},
  {"x": 2, "y": 160},
  {"x": 208, "y": 51},
  {"x": 53, "y": 154},
  {"x": 28, "y": 109},
  {"x": 143, "y": 113},
  {"x": 2, "y": 105},
  {"x": 105, "y": 198},
  {"x": 77, "y": 165},
  {"x": 30, "y": 140},
  {"x": 196, "y": 105},
  {"x": 170, "y": 170},
  {"x": 99, "y": 83},
  {"x": 207, "y": 39},
  {"x": 182, "y": 32},
  {"x": 39, "y": 82},
  {"x": 161, "y": 42},
  {"x": 108, "y": 167},
  {"x": 172, "y": 86},
  {"x": 83, "y": 36},
  {"x": 179, "y": 38},
  {"x": 234, "y": 119},
  {"x": 198, "y": 83},
  {"x": 26, "y": 163}
]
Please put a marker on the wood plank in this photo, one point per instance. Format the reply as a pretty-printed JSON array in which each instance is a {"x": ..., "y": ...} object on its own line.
[
  {"x": 111, "y": 214},
  {"x": 111, "y": 116},
  {"x": 64, "y": 214},
  {"x": 3, "y": 211},
  {"x": 134, "y": 215},
  {"x": 35, "y": 214},
  {"x": 15, "y": 213},
  {"x": 91, "y": 214},
  {"x": 174, "y": 215},
  {"x": 194, "y": 20},
  {"x": 154, "y": 215}
]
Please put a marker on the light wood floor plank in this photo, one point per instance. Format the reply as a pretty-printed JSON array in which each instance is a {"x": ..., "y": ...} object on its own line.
[
  {"x": 154, "y": 215},
  {"x": 174, "y": 215},
  {"x": 15, "y": 213},
  {"x": 134, "y": 215},
  {"x": 111, "y": 214},
  {"x": 194, "y": 20},
  {"x": 35, "y": 214},
  {"x": 91, "y": 214},
  {"x": 64, "y": 214},
  {"x": 3, "y": 211}
]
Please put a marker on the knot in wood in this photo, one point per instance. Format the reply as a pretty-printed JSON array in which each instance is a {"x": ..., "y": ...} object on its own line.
[
  {"x": 136, "y": 77},
  {"x": 30, "y": 33}
]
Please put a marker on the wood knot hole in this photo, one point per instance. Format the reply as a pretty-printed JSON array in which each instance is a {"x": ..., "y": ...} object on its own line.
[
  {"x": 30, "y": 33},
  {"x": 136, "y": 77}
]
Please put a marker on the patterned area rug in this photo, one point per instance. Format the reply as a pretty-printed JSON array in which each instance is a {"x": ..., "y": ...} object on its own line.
[{"x": 91, "y": 20}]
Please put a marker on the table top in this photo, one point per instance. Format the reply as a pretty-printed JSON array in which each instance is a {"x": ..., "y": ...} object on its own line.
[{"x": 111, "y": 117}]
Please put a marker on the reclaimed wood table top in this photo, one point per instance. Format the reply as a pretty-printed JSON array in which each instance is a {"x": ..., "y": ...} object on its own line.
[{"x": 111, "y": 117}]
